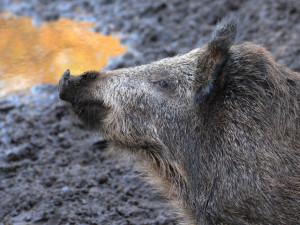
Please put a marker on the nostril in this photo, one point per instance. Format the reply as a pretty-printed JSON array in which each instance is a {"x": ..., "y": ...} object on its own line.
[
  {"x": 66, "y": 74},
  {"x": 63, "y": 85},
  {"x": 69, "y": 86}
]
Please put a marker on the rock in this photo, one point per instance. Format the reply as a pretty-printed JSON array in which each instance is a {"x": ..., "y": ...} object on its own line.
[
  {"x": 102, "y": 179},
  {"x": 12, "y": 155},
  {"x": 65, "y": 190},
  {"x": 17, "y": 153},
  {"x": 27, "y": 219},
  {"x": 6, "y": 106}
]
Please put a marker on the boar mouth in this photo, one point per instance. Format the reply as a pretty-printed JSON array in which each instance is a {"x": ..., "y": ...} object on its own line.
[
  {"x": 73, "y": 89},
  {"x": 90, "y": 112}
]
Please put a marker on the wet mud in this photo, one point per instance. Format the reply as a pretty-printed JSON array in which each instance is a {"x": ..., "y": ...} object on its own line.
[{"x": 52, "y": 170}]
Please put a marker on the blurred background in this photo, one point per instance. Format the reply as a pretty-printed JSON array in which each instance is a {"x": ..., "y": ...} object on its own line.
[{"x": 53, "y": 171}]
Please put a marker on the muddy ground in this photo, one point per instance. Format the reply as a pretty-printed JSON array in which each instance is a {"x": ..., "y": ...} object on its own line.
[{"x": 52, "y": 170}]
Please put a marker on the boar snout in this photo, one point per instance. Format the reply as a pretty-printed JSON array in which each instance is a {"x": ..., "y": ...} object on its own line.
[
  {"x": 70, "y": 87},
  {"x": 79, "y": 91},
  {"x": 65, "y": 92}
]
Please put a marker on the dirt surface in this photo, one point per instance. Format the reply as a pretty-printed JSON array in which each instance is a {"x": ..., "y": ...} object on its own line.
[{"x": 52, "y": 170}]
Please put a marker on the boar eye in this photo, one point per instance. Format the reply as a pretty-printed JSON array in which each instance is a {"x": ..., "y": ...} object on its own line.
[{"x": 163, "y": 83}]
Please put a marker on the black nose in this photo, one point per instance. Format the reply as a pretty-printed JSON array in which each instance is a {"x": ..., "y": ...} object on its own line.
[
  {"x": 66, "y": 74},
  {"x": 64, "y": 90},
  {"x": 70, "y": 87}
]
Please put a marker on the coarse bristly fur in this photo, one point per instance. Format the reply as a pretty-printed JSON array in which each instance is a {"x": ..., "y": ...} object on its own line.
[{"x": 216, "y": 130}]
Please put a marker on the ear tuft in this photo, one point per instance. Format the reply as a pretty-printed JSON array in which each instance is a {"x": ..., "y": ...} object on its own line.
[
  {"x": 223, "y": 36},
  {"x": 212, "y": 66},
  {"x": 227, "y": 27}
]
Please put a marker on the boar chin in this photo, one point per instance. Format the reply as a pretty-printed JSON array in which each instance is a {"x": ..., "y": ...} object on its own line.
[{"x": 91, "y": 112}]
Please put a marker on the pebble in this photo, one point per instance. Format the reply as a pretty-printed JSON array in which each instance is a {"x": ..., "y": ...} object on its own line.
[
  {"x": 6, "y": 106},
  {"x": 27, "y": 218},
  {"x": 65, "y": 190},
  {"x": 15, "y": 153},
  {"x": 11, "y": 155},
  {"x": 102, "y": 179}
]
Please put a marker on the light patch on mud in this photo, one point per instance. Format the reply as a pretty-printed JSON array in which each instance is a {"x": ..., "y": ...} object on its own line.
[{"x": 30, "y": 54}]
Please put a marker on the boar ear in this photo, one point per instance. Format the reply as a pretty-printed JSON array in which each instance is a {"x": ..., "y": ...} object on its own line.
[
  {"x": 223, "y": 37},
  {"x": 211, "y": 65}
]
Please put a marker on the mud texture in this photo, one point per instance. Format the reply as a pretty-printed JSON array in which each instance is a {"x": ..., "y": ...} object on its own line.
[
  {"x": 55, "y": 172},
  {"x": 52, "y": 170}
]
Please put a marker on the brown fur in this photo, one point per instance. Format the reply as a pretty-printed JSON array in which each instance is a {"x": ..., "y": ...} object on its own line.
[{"x": 221, "y": 140}]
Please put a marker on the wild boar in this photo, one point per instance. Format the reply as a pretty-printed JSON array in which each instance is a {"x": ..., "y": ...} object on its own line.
[{"x": 217, "y": 130}]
